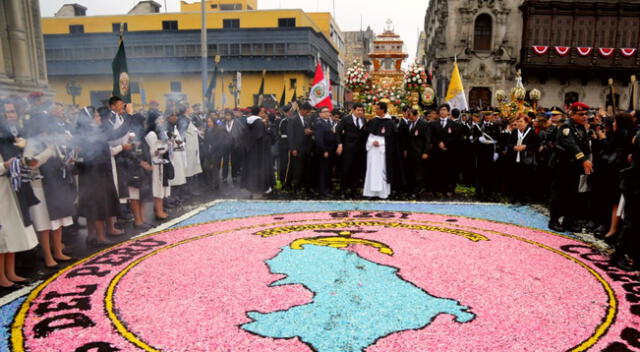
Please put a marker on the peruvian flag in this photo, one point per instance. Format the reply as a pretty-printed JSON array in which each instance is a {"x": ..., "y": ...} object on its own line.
[
  {"x": 584, "y": 51},
  {"x": 540, "y": 49},
  {"x": 320, "y": 95},
  {"x": 562, "y": 50},
  {"x": 628, "y": 52},
  {"x": 606, "y": 52}
]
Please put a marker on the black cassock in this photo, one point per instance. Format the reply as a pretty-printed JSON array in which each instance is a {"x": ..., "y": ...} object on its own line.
[
  {"x": 257, "y": 175},
  {"x": 385, "y": 127},
  {"x": 98, "y": 198}
]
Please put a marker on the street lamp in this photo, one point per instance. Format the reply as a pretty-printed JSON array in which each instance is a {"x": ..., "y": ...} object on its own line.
[
  {"x": 73, "y": 90},
  {"x": 233, "y": 90},
  {"x": 212, "y": 95}
]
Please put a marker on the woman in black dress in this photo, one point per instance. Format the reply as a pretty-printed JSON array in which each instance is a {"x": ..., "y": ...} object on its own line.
[
  {"x": 522, "y": 145},
  {"x": 98, "y": 200}
]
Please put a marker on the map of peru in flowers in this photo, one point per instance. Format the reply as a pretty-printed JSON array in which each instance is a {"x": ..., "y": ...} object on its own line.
[
  {"x": 356, "y": 301},
  {"x": 335, "y": 280}
]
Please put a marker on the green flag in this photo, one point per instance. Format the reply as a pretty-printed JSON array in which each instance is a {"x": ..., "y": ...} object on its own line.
[
  {"x": 284, "y": 96},
  {"x": 121, "y": 82},
  {"x": 212, "y": 87}
]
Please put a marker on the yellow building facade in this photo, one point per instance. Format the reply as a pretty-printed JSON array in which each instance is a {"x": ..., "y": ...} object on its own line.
[{"x": 163, "y": 52}]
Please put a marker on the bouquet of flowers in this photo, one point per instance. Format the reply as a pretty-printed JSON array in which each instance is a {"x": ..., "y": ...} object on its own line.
[
  {"x": 357, "y": 77},
  {"x": 415, "y": 78},
  {"x": 377, "y": 93}
]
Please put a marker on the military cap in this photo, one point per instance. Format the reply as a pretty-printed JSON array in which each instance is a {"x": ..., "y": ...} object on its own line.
[{"x": 579, "y": 106}]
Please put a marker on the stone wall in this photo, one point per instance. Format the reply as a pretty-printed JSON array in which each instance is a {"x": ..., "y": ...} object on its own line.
[{"x": 22, "y": 61}]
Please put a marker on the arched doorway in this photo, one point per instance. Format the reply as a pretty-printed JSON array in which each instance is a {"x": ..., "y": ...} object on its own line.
[{"x": 479, "y": 98}]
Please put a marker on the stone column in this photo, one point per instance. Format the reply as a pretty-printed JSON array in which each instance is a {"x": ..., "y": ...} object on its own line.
[
  {"x": 3, "y": 69},
  {"x": 18, "y": 40}
]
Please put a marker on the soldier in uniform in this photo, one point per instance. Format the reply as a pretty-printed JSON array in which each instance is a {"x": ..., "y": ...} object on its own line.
[{"x": 570, "y": 160}]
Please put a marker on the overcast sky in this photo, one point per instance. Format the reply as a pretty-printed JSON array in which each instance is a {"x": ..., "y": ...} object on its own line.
[{"x": 407, "y": 15}]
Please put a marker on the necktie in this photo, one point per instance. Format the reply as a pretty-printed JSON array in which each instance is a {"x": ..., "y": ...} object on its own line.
[
  {"x": 443, "y": 123},
  {"x": 411, "y": 126}
]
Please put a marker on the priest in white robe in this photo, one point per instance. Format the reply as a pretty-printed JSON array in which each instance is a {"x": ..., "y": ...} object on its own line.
[{"x": 383, "y": 155}]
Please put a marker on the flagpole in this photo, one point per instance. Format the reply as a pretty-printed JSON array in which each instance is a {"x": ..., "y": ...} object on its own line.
[{"x": 204, "y": 54}]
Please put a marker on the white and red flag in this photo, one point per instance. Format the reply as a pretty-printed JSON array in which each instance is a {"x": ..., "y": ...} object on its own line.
[
  {"x": 562, "y": 50},
  {"x": 584, "y": 51},
  {"x": 628, "y": 52},
  {"x": 606, "y": 52},
  {"x": 540, "y": 49},
  {"x": 320, "y": 95}
]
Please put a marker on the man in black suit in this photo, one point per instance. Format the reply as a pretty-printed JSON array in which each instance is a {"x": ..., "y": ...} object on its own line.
[
  {"x": 299, "y": 135},
  {"x": 325, "y": 146},
  {"x": 351, "y": 137},
  {"x": 416, "y": 153},
  {"x": 403, "y": 138},
  {"x": 233, "y": 152},
  {"x": 446, "y": 138}
]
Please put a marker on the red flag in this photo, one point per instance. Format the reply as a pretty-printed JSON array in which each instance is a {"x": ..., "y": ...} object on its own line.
[{"x": 320, "y": 95}]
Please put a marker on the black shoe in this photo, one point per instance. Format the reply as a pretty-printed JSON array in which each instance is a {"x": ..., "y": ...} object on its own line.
[
  {"x": 590, "y": 226},
  {"x": 126, "y": 218},
  {"x": 556, "y": 226},
  {"x": 600, "y": 231},
  {"x": 611, "y": 240},
  {"x": 573, "y": 227},
  {"x": 143, "y": 226},
  {"x": 27, "y": 282},
  {"x": 8, "y": 290},
  {"x": 53, "y": 267}
]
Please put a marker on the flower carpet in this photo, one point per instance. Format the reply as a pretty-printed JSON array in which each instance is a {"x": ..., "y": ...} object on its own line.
[{"x": 334, "y": 277}]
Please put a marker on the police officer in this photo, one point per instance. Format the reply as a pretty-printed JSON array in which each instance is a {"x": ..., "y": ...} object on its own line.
[{"x": 571, "y": 159}]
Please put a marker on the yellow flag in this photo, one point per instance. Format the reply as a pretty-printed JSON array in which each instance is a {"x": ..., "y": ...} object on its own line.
[{"x": 455, "y": 94}]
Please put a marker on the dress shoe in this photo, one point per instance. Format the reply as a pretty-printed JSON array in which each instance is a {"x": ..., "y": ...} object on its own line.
[
  {"x": 7, "y": 290},
  {"x": 600, "y": 231},
  {"x": 52, "y": 267},
  {"x": 24, "y": 283},
  {"x": 556, "y": 226},
  {"x": 573, "y": 227},
  {"x": 102, "y": 244},
  {"x": 143, "y": 226},
  {"x": 71, "y": 259},
  {"x": 611, "y": 240}
]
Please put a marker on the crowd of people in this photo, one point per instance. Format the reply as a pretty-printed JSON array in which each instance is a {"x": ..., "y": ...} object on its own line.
[{"x": 105, "y": 163}]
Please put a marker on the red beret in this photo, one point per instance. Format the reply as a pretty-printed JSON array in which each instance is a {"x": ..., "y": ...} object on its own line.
[{"x": 578, "y": 106}]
